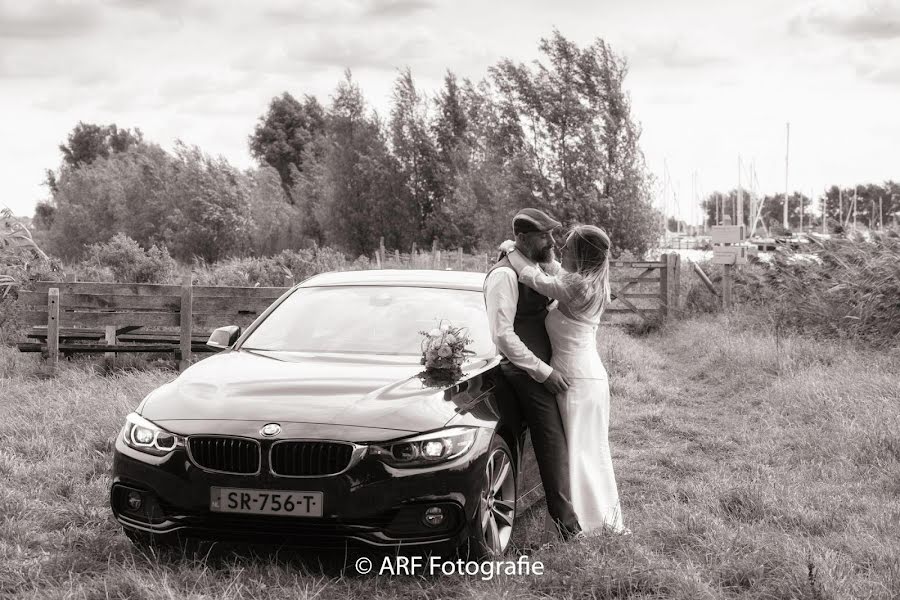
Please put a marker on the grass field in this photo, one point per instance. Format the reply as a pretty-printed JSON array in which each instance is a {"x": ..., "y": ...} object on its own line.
[{"x": 747, "y": 468}]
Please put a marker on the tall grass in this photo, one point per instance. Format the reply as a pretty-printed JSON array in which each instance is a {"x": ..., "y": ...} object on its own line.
[{"x": 844, "y": 289}]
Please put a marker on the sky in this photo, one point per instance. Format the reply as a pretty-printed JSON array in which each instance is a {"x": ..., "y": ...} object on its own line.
[{"x": 712, "y": 83}]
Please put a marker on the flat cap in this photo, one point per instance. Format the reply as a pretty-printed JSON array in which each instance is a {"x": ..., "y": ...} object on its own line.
[{"x": 532, "y": 219}]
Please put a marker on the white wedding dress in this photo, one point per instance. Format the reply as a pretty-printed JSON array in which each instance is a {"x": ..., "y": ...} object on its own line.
[{"x": 584, "y": 408}]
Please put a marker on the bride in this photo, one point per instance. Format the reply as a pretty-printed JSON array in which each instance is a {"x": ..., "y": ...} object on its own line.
[{"x": 581, "y": 286}]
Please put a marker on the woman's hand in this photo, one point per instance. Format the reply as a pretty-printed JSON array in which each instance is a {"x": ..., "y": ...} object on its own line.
[{"x": 507, "y": 246}]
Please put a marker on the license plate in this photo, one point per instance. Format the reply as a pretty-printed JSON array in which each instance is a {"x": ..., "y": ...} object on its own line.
[{"x": 266, "y": 502}]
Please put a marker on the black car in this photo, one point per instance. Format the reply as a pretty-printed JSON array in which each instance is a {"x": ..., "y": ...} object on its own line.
[{"x": 317, "y": 427}]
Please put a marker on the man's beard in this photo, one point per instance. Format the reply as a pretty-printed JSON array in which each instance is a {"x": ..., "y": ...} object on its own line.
[{"x": 546, "y": 255}]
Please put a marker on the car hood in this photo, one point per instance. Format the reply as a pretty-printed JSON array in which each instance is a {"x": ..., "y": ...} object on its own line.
[{"x": 289, "y": 387}]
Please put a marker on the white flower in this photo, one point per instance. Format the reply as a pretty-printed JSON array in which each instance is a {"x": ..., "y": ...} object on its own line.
[
  {"x": 434, "y": 333},
  {"x": 444, "y": 351},
  {"x": 450, "y": 338},
  {"x": 507, "y": 246},
  {"x": 445, "y": 327}
]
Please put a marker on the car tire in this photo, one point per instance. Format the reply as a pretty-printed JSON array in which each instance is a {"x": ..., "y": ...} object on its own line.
[{"x": 493, "y": 524}]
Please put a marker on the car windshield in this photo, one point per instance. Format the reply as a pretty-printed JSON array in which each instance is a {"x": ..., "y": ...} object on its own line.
[{"x": 370, "y": 320}]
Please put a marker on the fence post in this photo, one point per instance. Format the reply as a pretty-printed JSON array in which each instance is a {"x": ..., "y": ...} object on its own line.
[
  {"x": 674, "y": 264},
  {"x": 110, "y": 339},
  {"x": 727, "y": 279},
  {"x": 382, "y": 251},
  {"x": 187, "y": 305},
  {"x": 664, "y": 282},
  {"x": 53, "y": 329},
  {"x": 459, "y": 259},
  {"x": 397, "y": 259},
  {"x": 705, "y": 279},
  {"x": 435, "y": 255}
]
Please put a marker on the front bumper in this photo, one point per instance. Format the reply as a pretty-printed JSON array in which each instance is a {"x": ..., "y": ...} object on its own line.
[{"x": 369, "y": 505}]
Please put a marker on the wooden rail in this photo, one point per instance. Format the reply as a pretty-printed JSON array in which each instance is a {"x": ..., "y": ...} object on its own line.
[
  {"x": 649, "y": 289},
  {"x": 59, "y": 312}
]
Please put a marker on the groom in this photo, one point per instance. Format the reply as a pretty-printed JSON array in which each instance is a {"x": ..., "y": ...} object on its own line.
[{"x": 516, "y": 316}]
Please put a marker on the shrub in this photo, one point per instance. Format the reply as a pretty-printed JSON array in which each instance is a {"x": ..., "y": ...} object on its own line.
[
  {"x": 849, "y": 289},
  {"x": 128, "y": 262},
  {"x": 21, "y": 262},
  {"x": 283, "y": 269},
  {"x": 747, "y": 283}
]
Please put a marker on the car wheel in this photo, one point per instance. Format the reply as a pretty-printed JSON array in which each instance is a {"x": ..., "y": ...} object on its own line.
[{"x": 495, "y": 517}]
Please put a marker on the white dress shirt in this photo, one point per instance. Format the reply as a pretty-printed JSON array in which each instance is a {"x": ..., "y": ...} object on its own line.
[{"x": 501, "y": 293}]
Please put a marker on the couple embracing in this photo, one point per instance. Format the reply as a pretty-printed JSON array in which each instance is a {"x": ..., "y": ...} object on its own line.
[{"x": 543, "y": 316}]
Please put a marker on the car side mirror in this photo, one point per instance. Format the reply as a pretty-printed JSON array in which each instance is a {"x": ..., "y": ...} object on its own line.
[{"x": 224, "y": 337}]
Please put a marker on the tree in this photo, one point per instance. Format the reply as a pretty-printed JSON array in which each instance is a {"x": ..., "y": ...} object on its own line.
[
  {"x": 354, "y": 188},
  {"x": 275, "y": 222},
  {"x": 870, "y": 199},
  {"x": 282, "y": 134},
  {"x": 451, "y": 132},
  {"x": 85, "y": 207},
  {"x": 125, "y": 192},
  {"x": 417, "y": 157},
  {"x": 717, "y": 205},
  {"x": 581, "y": 139},
  {"x": 87, "y": 142},
  {"x": 210, "y": 216}
]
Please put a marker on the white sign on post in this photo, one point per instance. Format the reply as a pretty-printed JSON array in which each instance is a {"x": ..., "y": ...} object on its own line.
[
  {"x": 727, "y": 234},
  {"x": 730, "y": 255}
]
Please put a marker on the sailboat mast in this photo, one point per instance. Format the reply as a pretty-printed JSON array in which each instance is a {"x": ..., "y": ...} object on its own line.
[
  {"x": 787, "y": 152},
  {"x": 740, "y": 197}
]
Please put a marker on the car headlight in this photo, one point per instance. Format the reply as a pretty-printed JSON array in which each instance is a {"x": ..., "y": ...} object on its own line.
[
  {"x": 426, "y": 449},
  {"x": 148, "y": 437}
]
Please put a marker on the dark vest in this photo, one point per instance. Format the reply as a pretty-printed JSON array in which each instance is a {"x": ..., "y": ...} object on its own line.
[{"x": 530, "y": 313}]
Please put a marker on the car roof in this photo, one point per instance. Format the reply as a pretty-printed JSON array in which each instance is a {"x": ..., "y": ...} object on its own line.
[{"x": 458, "y": 280}]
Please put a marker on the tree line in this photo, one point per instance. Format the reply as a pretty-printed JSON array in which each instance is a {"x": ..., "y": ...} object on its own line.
[
  {"x": 452, "y": 167},
  {"x": 872, "y": 205}
]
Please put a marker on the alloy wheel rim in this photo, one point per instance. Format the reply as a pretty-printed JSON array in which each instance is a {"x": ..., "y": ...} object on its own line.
[{"x": 498, "y": 503}]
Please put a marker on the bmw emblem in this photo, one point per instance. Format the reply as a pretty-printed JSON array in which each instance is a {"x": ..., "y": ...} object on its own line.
[{"x": 271, "y": 429}]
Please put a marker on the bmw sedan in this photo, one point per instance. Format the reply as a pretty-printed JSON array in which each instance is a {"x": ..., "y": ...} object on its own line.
[{"x": 317, "y": 427}]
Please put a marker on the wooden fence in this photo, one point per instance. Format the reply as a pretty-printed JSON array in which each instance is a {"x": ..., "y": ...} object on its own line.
[
  {"x": 648, "y": 289},
  {"x": 67, "y": 315},
  {"x": 77, "y": 316}
]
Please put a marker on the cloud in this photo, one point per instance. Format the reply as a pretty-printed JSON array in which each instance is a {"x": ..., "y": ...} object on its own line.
[
  {"x": 307, "y": 12},
  {"x": 199, "y": 89},
  {"x": 30, "y": 62},
  {"x": 358, "y": 52},
  {"x": 176, "y": 10},
  {"x": 673, "y": 54},
  {"x": 48, "y": 19},
  {"x": 354, "y": 48},
  {"x": 342, "y": 11},
  {"x": 876, "y": 63},
  {"x": 396, "y": 8},
  {"x": 855, "y": 20},
  {"x": 886, "y": 75}
]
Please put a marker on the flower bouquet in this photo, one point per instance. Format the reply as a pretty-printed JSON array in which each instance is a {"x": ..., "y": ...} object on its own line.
[{"x": 444, "y": 351}]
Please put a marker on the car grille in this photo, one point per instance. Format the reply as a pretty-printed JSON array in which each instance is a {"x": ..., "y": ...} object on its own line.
[
  {"x": 309, "y": 459},
  {"x": 226, "y": 454}
]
